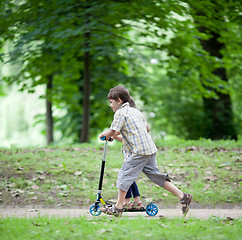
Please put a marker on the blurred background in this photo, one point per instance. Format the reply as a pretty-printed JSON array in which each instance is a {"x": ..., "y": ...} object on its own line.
[{"x": 180, "y": 60}]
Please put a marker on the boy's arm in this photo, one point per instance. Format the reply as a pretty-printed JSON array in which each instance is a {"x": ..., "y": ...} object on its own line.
[
  {"x": 108, "y": 133},
  {"x": 117, "y": 136},
  {"x": 148, "y": 127}
]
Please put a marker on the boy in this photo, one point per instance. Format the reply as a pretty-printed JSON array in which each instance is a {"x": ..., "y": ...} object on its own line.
[{"x": 139, "y": 150}]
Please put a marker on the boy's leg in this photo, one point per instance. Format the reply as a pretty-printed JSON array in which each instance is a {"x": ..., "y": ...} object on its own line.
[
  {"x": 121, "y": 199},
  {"x": 127, "y": 204},
  {"x": 152, "y": 172},
  {"x": 135, "y": 191},
  {"x": 137, "y": 204},
  {"x": 128, "y": 194},
  {"x": 173, "y": 189},
  {"x": 127, "y": 175}
]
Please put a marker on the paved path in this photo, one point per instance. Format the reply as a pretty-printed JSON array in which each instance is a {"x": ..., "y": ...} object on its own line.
[{"x": 170, "y": 213}]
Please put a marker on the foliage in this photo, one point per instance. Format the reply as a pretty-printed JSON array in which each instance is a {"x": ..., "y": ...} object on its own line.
[
  {"x": 124, "y": 36},
  {"x": 186, "y": 69}
]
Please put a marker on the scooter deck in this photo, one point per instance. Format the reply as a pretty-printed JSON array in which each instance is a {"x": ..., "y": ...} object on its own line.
[{"x": 135, "y": 210}]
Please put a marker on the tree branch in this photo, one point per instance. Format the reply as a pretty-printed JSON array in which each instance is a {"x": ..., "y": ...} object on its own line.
[{"x": 130, "y": 41}]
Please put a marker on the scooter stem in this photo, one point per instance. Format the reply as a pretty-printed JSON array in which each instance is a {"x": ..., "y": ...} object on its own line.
[{"x": 102, "y": 167}]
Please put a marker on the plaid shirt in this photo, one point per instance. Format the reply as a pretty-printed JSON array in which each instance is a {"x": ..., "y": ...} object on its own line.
[{"x": 132, "y": 126}]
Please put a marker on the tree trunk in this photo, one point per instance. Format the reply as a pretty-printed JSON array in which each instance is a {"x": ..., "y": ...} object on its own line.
[
  {"x": 87, "y": 86},
  {"x": 49, "y": 117},
  {"x": 218, "y": 112}
]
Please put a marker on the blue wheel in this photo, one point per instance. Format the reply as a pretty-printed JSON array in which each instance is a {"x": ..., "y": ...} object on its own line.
[
  {"x": 93, "y": 212},
  {"x": 151, "y": 209}
]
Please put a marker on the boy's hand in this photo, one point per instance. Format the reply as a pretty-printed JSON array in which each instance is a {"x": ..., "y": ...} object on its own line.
[
  {"x": 108, "y": 133},
  {"x": 102, "y": 136},
  {"x": 105, "y": 139}
]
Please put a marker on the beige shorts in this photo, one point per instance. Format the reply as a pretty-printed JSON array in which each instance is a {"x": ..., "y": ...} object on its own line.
[{"x": 134, "y": 165}]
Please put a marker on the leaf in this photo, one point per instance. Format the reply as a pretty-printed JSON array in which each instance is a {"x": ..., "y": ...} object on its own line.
[
  {"x": 206, "y": 187},
  {"x": 63, "y": 187},
  {"x": 212, "y": 178},
  {"x": 104, "y": 230},
  {"x": 17, "y": 193},
  {"x": 64, "y": 194},
  {"x": 41, "y": 177},
  {"x": 35, "y": 187},
  {"x": 40, "y": 224},
  {"x": 12, "y": 185},
  {"x": 225, "y": 164},
  {"x": 78, "y": 173},
  {"x": 33, "y": 210}
]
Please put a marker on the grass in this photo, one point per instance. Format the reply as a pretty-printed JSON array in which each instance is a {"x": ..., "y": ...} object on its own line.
[
  {"x": 69, "y": 175},
  {"x": 119, "y": 228}
]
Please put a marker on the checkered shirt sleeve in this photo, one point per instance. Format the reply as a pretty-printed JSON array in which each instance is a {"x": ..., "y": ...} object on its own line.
[{"x": 118, "y": 121}]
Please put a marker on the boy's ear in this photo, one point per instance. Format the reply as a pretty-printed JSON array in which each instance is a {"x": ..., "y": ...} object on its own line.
[{"x": 120, "y": 100}]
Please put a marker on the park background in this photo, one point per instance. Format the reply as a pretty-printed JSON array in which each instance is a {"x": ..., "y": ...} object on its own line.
[{"x": 180, "y": 61}]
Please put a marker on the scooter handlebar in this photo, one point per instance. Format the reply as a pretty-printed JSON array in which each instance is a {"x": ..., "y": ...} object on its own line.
[{"x": 104, "y": 138}]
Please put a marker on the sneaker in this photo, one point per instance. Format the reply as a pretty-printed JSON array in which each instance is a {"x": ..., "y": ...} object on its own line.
[{"x": 186, "y": 201}]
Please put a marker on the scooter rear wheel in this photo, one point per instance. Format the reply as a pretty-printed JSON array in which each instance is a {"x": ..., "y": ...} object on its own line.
[
  {"x": 151, "y": 209},
  {"x": 93, "y": 212}
]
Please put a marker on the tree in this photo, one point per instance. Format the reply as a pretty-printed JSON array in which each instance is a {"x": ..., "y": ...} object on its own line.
[
  {"x": 80, "y": 49},
  {"x": 213, "y": 22},
  {"x": 53, "y": 44},
  {"x": 191, "y": 65},
  {"x": 49, "y": 116},
  {"x": 218, "y": 111},
  {"x": 87, "y": 80}
]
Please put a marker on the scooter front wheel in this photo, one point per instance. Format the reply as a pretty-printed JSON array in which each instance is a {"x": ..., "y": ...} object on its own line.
[
  {"x": 151, "y": 209},
  {"x": 94, "y": 212}
]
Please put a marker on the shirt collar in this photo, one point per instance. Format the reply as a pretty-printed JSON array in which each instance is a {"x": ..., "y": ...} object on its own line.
[{"x": 125, "y": 105}]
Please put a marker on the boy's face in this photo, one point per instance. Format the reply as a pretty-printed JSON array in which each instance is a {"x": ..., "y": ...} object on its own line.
[{"x": 115, "y": 105}]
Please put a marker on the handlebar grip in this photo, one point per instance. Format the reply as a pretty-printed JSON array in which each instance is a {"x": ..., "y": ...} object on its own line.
[{"x": 104, "y": 138}]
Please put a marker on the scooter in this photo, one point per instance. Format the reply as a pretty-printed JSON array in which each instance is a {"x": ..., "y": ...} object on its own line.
[{"x": 151, "y": 209}]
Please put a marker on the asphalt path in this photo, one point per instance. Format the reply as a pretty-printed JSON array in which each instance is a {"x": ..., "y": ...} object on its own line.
[{"x": 169, "y": 213}]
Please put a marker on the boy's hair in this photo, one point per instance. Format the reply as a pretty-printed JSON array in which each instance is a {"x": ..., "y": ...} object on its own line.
[
  {"x": 122, "y": 93},
  {"x": 132, "y": 102},
  {"x": 119, "y": 92}
]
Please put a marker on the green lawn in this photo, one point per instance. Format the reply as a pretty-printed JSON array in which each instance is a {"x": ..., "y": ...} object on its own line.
[
  {"x": 69, "y": 175},
  {"x": 121, "y": 228}
]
